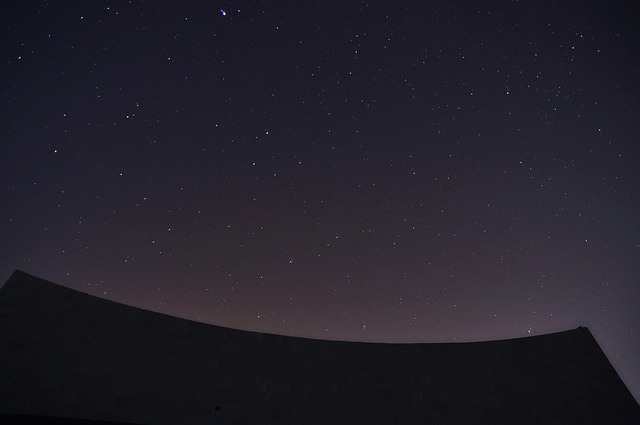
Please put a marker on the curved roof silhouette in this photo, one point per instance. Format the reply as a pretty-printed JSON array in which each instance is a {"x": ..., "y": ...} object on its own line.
[{"x": 66, "y": 354}]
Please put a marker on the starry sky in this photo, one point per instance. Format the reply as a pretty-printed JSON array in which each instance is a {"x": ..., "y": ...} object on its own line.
[{"x": 402, "y": 171}]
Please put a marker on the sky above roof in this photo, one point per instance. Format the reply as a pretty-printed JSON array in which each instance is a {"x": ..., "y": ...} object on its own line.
[{"x": 380, "y": 171}]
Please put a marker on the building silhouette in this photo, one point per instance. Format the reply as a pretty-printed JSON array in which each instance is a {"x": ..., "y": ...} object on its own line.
[{"x": 69, "y": 357}]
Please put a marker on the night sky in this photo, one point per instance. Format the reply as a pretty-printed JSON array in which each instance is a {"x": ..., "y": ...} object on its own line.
[{"x": 403, "y": 171}]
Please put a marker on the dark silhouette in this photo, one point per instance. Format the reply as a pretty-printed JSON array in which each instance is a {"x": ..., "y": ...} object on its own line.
[{"x": 65, "y": 354}]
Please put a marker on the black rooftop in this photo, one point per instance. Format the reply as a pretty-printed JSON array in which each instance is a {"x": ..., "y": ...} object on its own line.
[{"x": 66, "y": 354}]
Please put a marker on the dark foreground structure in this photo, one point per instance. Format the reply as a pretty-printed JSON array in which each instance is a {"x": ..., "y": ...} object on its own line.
[{"x": 69, "y": 355}]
